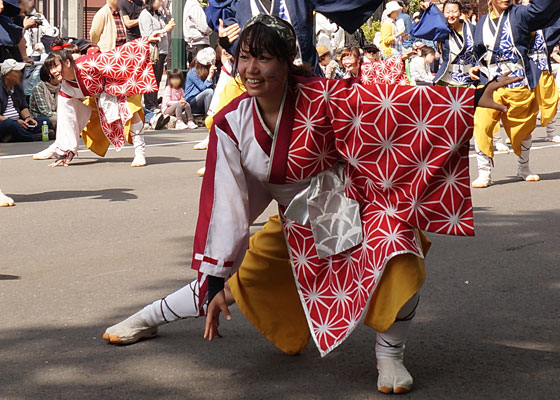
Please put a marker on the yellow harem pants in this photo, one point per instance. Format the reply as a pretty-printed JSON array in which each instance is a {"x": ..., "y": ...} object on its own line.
[
  {"x": 93, "y": 136},
  {"x": 519, "y": 122},
  {"x": 265, "y": 290},
  {"x": 547, "y": 97}
]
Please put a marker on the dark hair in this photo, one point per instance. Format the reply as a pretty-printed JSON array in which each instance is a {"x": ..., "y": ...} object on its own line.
[
  {"x": 59, "y": 56},
  {"x": 45, "y": 74},
  {"x": 459, "y": 3},
  {"x": 175, "y": 73},
  {"x": 258, "y": 39},
  {"x": 65, "y": 45},
  {"x": 150, "y": 7},
  {"x": 427, "y": 50}
]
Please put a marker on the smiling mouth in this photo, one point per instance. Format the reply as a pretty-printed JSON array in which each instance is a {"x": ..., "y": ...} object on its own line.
[{"x": 254, "y": 81}]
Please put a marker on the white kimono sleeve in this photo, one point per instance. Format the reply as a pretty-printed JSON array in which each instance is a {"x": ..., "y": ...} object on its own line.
[{"x": 230, "y": 200}]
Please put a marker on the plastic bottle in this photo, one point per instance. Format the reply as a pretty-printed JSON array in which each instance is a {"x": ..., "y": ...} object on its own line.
[{"x": 45, "y": 132}]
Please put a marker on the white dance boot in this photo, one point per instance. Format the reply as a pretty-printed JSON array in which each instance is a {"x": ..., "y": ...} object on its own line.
[
  {"x": 389, "y": 350},
  {"x": 202, "y": 145},
  {"x": 551, "y": 135},
  {"x": 47, "y": 154},
  {"x": 484, "y": 169},
  {"x": 144, "y": 324},
  {"x": 523, "y": 170},
  {"x": 6, "y": 201},
  {"x": 139, "y": 145}
]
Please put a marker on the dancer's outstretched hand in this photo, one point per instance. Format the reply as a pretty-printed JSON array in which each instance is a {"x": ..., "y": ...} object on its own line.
[
  {"x": 216, "y": 306},
  {"x": 231, "y": 32},
  {"x": 487, "y": 99}
]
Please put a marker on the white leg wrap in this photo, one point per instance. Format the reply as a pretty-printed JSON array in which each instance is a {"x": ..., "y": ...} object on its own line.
[
  {"x": 178, "y": 305},
  {"x": 484, "y": 169},
  {"x": 523, "y": 170},
  {"x": 139, "y": 144}
]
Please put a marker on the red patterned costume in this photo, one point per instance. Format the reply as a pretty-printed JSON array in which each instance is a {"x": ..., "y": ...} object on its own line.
[
  {"x": 406, "y": 168},
  {"x": 110, "y": 83}
]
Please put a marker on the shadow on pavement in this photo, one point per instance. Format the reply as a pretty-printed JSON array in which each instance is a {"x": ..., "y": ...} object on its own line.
[
  {"x": 101, "y": 194},
  {"x": 487, "y": 328}
]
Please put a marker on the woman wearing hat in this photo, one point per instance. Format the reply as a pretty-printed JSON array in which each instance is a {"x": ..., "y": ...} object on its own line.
[
  {"x": 328, "y": 65},
  {"x": 199, "y": 87},
  {"x": 391, "y": 39}
]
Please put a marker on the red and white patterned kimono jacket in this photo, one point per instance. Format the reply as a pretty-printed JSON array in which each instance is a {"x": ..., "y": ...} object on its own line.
[
  {"x": 109, "y": 78},
  {"x": 406, "y": 154}
]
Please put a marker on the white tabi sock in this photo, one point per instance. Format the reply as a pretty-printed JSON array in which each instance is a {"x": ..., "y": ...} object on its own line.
[
  {"x": 389, "y": 350},
  {"x": 181, "y": 304}
]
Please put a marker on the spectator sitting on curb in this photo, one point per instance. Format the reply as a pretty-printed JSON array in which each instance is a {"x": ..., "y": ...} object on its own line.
[
  {"x": 44, "y": 97},
  {"x": 16, "y": 124}
]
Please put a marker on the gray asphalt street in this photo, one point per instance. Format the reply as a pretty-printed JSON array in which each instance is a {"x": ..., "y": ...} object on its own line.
[{"x": 90, "y": 244}]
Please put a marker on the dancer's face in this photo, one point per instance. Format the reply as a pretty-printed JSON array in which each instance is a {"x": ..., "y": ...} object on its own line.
[
  {"x": 56, "y": 71},
  {"x": 264, "y": 76},
  {"x": 500, "y": 5},
  {"x": 68, "y": 71},
  {"x": 452, "y": 13}
]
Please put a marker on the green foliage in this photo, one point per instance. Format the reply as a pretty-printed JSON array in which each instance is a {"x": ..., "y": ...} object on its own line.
[
  {"x": 414, "y": 6},
  {"x": 370, "y": 29}
]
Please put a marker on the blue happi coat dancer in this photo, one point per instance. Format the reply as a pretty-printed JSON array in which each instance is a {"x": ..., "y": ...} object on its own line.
[
  {"x": 349, "y": 14},
  {"x": 455, "y": 38},
  {"x": 547, "y": 90},
  {"x": 502, "y": 43}
]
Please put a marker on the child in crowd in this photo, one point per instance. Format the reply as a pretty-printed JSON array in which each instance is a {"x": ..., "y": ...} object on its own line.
[
  {"x": 174, "y": 102},
  {"x": 420, "y": 74}
]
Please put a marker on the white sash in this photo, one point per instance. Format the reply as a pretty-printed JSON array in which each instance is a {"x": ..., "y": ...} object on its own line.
[{"x": 492, "y": 43}]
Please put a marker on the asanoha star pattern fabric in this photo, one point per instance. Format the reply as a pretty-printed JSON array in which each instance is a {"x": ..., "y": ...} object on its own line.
[
  {"x": 390, "y": 71},
  {"x": 406, "y": 150},
  {"x": 123, "y": 72}
]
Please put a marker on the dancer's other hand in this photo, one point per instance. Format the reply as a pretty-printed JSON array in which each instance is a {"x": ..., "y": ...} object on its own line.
[
  {"x": 216, "y": 306},
  {"x": 474, "y": 73},
  {"x": 487, "y": 99},
  {"x": 231, "y": 32}
]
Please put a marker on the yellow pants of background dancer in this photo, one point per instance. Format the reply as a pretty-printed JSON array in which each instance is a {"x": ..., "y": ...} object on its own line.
[
  {"x": 519, "y": 122},
  {"x": 547, "y": 97},
  {"x": 93, "y": 136},
  {"x": 265, "y": 291}
]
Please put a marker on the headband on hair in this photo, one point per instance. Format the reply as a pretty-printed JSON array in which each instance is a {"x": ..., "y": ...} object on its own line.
[
  {"x": 64, "y": 45},
  {"x": 278, "y": 25}
]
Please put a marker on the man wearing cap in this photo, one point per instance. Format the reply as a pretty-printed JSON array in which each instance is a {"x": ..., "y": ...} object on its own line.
[{"x": 16, "y": 124}]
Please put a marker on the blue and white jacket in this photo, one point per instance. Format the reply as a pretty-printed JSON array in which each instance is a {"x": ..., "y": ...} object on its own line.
[{"x": 503, "y": 44}]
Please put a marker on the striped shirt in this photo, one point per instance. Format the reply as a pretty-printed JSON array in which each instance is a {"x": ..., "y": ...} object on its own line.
[
  {"x": 11, "y": 112},
  {"x": 121, "y": 32}
]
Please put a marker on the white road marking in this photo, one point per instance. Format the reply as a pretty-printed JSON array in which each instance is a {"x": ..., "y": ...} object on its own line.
[{"x": 110, "y": 148}]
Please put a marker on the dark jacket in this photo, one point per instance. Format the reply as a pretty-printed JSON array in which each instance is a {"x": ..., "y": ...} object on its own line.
[
  {"x": 349, "y": 14},
  {"x": 18, "y": 97},
  {"x": 523, "y": 21}
]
